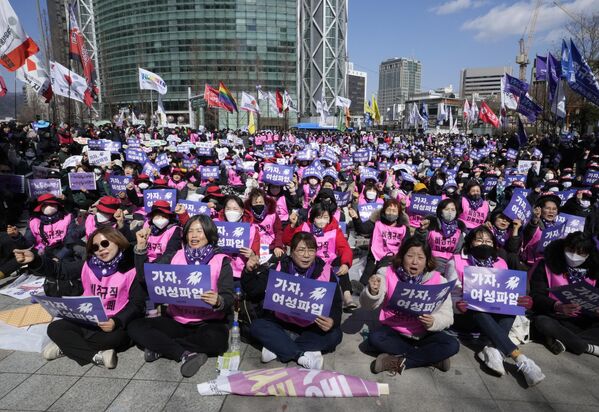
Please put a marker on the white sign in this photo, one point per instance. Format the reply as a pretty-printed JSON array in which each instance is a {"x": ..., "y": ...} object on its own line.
[{"x": 98, "y": 157}]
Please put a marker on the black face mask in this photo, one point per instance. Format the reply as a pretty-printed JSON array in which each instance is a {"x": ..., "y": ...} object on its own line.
[
  {"x": 483, "y": 252},
  {"x": 258, "y": 209}
]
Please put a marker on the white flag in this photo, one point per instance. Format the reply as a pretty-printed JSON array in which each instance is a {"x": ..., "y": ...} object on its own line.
[
  {"x": 450, "y": 120},
  {"x": 473, "y": 111},
  {"x": 151, "y": 81},
  {"x": 441, "y": 113},
  {"x": 272, "y": 104},
  {"x": 342, "y": 102},
  {"x": 35, "y": 75},
  {"x": 262, "y": 95},
  {"x": 288, "y": 103},
  {"x": 67, "y": 83},
  {"x": 508, "y": 100},
  {"x": 249, "y": 103},
  {"x": 15, "y": 45}
]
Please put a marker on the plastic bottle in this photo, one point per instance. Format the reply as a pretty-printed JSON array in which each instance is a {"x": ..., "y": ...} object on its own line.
[
  {"x": 234, "y": 338},
  {"x": 236, "y": 304}
]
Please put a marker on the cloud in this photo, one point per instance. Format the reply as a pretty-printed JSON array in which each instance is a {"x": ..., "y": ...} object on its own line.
[
  {"x": 508, "y": 20},
  {"x": 454, "y": 6}
]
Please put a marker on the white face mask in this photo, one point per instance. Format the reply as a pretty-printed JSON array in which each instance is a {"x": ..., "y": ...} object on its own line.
[
  {"x": 567, "y": 184},
  {"x": 574, "y": 259},
  {"x": 549, "y": 176},
  {"x": 448, "y": 215},
  {"x": 49, "y": 210},
  {"x": 321, "y": 222},
  {"x": 160, "y": 222},
  {"x": 102, "y": 218},
  {"x": 439, "y": 182},
  {"x": 233, "y": 215},
  {"x": 370, "y": 195},
  {"x": 585, "y": 203},
  {"x": 143, "y": 186},
  {"x": 195, "y": 197}
]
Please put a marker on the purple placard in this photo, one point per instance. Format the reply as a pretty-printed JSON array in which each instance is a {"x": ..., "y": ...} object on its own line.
[
  {"x": 232, "y": 236},
  {"x": 196, "y": 208},
  {"x": 189, "y": 163},
  {"x": 407, "y": 177},
  {"x": 98, "y": 157},
  {"x": 87, "y": 309},
  {"x": 489, "y": 183},
  {"x": 13, "y": 183},
  {"x": 509, "y": 179},
  {"x": 133, "y": 143},
  {"x": 422, "y": 204},
  {"x": 277, "y": 174},
  {"x": 210, "y": 172},
  {"x": 151, "y": 170},
  {"x": 136, "y": 155},
  {"x": 112, "y": 147},
  {"x": 582, "y": 294},
  {"x": 161, "y": 160},
  {"x": 346, "y": 163},
  {"x": 590, "y": 177},
  {"x": 119, "y": 184},
  {"x": 417, "y": 299},
  {"x": 573, "y": 223},
  {"x": 298, "y": 296},
  {"x": 564, "y": 195},
  {"x": 177, "y": 284},
  {"x": 368, "y": 173},
  {"x": 511, "y": 154},
  {"x": 458, "y": 151},
  {"x": 494, "y": 290},
  {"x": 152, "y": 195},
  {"x": 41, "y": 172},
  {"x": 38, "y": 187},
  {"x": 78, "y": 181},
  {"x": 366, "y": 209},
  {"x": 342, "y": 198},
  {"x": 550, "y": 234},
  {"x": 518, "y": 208},
  {"x": 384, "y": 166},
  {"x": 361, "y": 156},
  {"x": 437, "y": 162}
]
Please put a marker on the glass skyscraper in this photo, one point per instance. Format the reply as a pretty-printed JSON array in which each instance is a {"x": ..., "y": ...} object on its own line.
[{"x": 189, "y": 43}]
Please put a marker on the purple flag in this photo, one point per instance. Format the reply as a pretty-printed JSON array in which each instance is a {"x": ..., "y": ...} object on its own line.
[
  {"x": 528, "y": 108},
  {"x": 366, "y": 209},
  {"x": 38, "y": 187},
  {"x": 519, "y": 208},
  {"x": 515, "y": 85},
  {"x": 118, "y": 184},
  {"x": 177, "y": 284},
  {"x": 494, "y": 290},
  {"x": 422, "y": 204},
  {"x": 195, "y": 208},
  {"x": 298, "y": 296},
  {"x": 233, "y": 236},
  {"x": 582, "y": 294},
  {"x": 418, "y": 299},
  {"x": 152, "y": 195},
  {"x": 87, "y": 309},
  {"x": 277, "y": 174},
  {"x": 541, "y": 68},
  {"x": 78, "y": 181}
]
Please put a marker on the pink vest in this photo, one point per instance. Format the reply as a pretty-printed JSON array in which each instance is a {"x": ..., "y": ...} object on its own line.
[
  {"x": 443, "y": 247},
  {"x": 386, "y": 240},
  {"x": 189, "y": 314},
  {"x": 325, "y": 244},
  {"x": 529, "y": 253},
  {"x": 90, "y": 225},
  {"x": 555, "y": 280},
  {"x": 473, "y": 218},
  {"x": 461, "y": 263},
  {"x": 157, "y": 244},
  {"x": 403, "y": 323},
  {"x": 113, "y": 290},
  {"x": 362, "y": 200},
  {"x": 282, "y": 210},
  {"x": 266, "y": 229},
  {"x": 175, "y": 185},
  {"x": 238, "y": 262},
  {"x": 234, "y": 179},
  {"x": 307, "y": 197},
  {"x": 325, "y": 276},
  {"x": 55, "y": 232}
]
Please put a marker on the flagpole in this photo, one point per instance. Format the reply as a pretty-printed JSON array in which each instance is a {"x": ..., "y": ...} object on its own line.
[
  {"x": 151, "y": 105},
  {"x": 15, "y": 98}
]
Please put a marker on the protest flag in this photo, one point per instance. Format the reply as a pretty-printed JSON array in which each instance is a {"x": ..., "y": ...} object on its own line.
[
  {"x": 16, "y": 46},
  {"x": 226, "y": 98},
  {"x": 487, "y": 115}
]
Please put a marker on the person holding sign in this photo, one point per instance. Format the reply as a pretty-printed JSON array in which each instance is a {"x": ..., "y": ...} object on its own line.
[
  {"x": 310, "y": 337},
  {"x": 310, "y": 189},
  {"x": 565, "y": 325},
  {"x": 507, "y": 235},
  {"x": 267, "y": 222},
  {"x": 544, "y": 217},
  {"x": 176, "y": 180},
  {"x": 109, "y": 273},
  {"x": 189, "y": 334},
  {"x": 480, "y": 249},
  {"x": 474, "y": 209},
  {"x": 406, "y": 340},
  {"x": 369, "y": 194},
  {"x": 162, "y": 231},
  {"x": 108, "y": 212},
  {"x": 580, "y": 204},
  {"x": 284, "y": 198}
]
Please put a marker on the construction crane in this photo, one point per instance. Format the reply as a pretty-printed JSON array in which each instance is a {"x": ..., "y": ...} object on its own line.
[{"x": 522, "y": 57}]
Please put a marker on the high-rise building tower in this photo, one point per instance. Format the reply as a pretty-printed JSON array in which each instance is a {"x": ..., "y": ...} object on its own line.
[
  {"x": 399, "y": 79},
  {"x": 357, "y": 83}
]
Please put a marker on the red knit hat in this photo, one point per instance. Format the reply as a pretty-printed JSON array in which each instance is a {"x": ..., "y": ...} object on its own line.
[
  {"x": 108, "y": 205},
  {"x": 161, "y": 206},
  {"x": 47, "y": 199}
]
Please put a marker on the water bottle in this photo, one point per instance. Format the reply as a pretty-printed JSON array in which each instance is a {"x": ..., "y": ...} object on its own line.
[
  {"x": 234, "y": 339},
  {"x": 236, "y": 304}
]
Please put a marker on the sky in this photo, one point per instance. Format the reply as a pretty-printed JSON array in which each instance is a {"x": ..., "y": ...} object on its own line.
[{"x": 446, "y": 36}]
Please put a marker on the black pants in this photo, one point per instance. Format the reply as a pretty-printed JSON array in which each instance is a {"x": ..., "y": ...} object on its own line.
[
  {"x": 575, "y": 333},
  {"x": 8, "y": 263},
  {"x": 372, "y": 266},
  {"x": 171, "y": 339},
  {"x": 81, "y": 342}
]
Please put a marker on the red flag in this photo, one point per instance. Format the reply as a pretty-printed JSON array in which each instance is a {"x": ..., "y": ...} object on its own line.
[
  {"x": 78, "y": 51},
  {"x": 279, "y": 101},
  {"x": 3, "y": 88},
  {"x": 487, "y": 115},
  {"x": 15, "y": 45},
  {"x": 211, "y": 97}
]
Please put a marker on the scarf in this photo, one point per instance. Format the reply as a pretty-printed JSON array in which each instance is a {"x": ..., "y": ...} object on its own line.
[
  {"x": 548, "y": 224},
  {"x": 259, "y": 217},
  {"x": 50, "y": 220},
  {"x": 501, "y": 235},
  {"x": 312, "y": 191},
  {"x": 199, "y": 256},
  {"x": 475, "y": 204},
  {"x": 317, "y": 231},
  {"x": 307, "y": 273},
  {"x": 101, "y": 268},
  {"x": 448, "y": 228},
  {"x": 576, "y": 275},
  {"x": 405, "y": 277},
  {"x": 485, "y": 263}
]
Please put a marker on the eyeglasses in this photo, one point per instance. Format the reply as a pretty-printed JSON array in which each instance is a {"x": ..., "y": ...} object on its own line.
[
  {"x": 104, "y": 244},
  {"x": 304, "y": 251}
]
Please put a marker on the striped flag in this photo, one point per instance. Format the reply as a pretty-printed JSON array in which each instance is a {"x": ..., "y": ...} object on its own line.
[
  {"x": 15, "y": 45},
  {"x": 226, "y": 98}
]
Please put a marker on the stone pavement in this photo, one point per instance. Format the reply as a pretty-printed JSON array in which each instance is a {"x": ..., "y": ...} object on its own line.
[{"x": 27, "y": 382}]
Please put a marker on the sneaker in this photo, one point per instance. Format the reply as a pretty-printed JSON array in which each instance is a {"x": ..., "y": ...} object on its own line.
[
  {"x": 267, "y": 356},
  {"x": 395, "y": 364},
  {"x": 443, "y": 366},
  {"x": 191, "y": 363},
  {"x": 106, "y": 358},
  {"x": 349, "y": 307},
  {"x": 493, "y": 359},
  {"x": 150, "y": 356},
  {"x": 555, "y": 346},
  {"x": 311, "y": 360},
  {"x": 531, "y": 371},
  {"x": 52, "y": 351}
]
